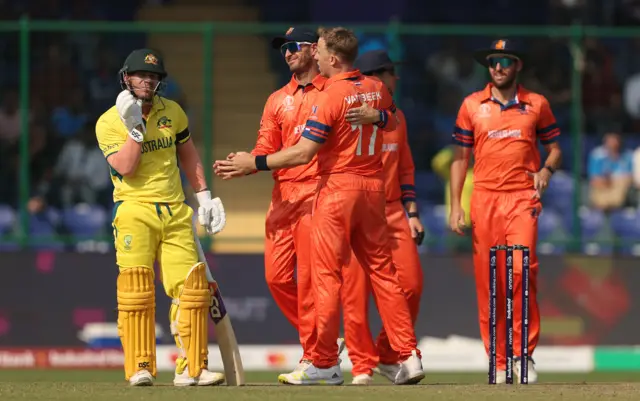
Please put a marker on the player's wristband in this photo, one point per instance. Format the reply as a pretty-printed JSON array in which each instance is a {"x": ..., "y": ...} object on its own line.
[
  {"x": 413, "y": 214},
  {"x": 383, "y": 119},
  {"x": 261, "y": 163},
  {"x": 551, "y": 169}
]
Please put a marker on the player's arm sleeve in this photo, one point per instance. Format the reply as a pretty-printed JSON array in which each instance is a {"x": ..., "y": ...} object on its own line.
[
  {"x": 270, "y": 132},
  {"x": 182, "y": 127},
  {"x": 321, "y": 119},
  {"x": 463, "y": 130},
  {"x": 547, "y": 129},
  {"x": 388, "y": 121},
  {"x": 406, "y": 169},
  {"x": 109, "y": 138}
]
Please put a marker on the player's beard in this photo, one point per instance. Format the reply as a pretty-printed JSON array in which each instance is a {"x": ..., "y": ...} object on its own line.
[
  {"x": 508, "y": 82},
  {"x": 302, "y": 65},
  {"x": 148, "y": 97}
]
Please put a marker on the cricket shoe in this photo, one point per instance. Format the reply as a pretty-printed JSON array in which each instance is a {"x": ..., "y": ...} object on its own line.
[
  {"x": 206, "y": 378},
  {"x": 141, "y": 378},
  {"x": 388, "y": 371},
  {"x": 532, "y": 375},
  {"x": 362, "y": 380},
  {"x": 312, "y": 375},
  {"x": 411, "y": 371},
  {"x": 303, "y": 364}
]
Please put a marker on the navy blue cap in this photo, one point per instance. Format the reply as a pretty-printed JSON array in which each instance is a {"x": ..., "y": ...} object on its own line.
[
  {"x": 508, "y": 47},
  {"x": 374, "y": 60},
  {"x": 294, "y": 34}
]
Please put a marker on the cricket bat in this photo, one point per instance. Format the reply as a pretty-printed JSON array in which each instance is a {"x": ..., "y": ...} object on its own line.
[{"x": 227, "y": 342}]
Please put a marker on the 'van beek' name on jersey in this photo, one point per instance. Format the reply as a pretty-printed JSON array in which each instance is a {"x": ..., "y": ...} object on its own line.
[{"x": 363, "y": 97}]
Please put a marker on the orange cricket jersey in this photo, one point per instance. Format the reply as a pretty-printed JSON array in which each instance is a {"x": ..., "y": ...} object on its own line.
[
  {"x": 503, "y": 137},
  {"x": 350, "y": 149},
  {"x": 398, "y": 163},
  {"x": 283, "y": 121}
]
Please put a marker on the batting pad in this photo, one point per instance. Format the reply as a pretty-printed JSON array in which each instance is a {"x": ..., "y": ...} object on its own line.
[
  {"x": 137, "y": 319},
  {"x": 193, "y": 309}
]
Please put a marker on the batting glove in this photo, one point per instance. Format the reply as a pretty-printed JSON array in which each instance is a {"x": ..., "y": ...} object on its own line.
[
  {"x": 210, "y": 213},
  {"x": 130, "y": 111}
]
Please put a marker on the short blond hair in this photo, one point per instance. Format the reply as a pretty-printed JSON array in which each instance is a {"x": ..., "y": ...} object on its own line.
[{"x": 341, "y": 42}]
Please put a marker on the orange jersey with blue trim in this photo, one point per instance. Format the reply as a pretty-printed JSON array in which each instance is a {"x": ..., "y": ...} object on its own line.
[
  {"x": 504, "y": 137},
  {"x": 397, "y": 161},
  {"x": 350, "y": 149},
  {"x": 282, "y": 123}
]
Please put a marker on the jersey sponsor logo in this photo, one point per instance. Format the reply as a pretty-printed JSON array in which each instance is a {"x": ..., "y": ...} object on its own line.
[
  {"x": 288, "y": 103},
  {"x": 504, "y": 133},
  {"x": 363, "y": 97},
  {"x": 389, "y": 147},
  {"x": 106, "y": 149},
  {"x": 163, "y": 122},
  {"x": 299, "y": 129},
  {"x": 157, "y": 144}
]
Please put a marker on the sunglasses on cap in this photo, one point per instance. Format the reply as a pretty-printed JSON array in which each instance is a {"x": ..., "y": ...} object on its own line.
[
  {"x": 292, "y": 47},
  {"x": 505, "y": 62}
]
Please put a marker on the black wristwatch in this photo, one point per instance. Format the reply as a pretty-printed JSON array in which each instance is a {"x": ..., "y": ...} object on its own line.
[
  {"x": 413, "y": 214},
  {"x": 551, "y": 169}
]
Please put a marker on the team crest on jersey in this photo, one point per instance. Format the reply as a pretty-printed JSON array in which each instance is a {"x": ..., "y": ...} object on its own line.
[
  {"x": 288, "y": 103},
  {"x": 484, "y": 111},
  {"x": 151, "y": 59},
  {"x": 163, "y": 122},
  {"x": 128, "y": 239},
  {"x": 524, "y": 108}
]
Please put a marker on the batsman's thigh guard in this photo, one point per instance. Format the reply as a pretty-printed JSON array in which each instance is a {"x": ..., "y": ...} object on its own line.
[
  {"x": 136, "y": 319},
  {"x": 177, "y": 252},
  {"x": 191, "y": 322}
]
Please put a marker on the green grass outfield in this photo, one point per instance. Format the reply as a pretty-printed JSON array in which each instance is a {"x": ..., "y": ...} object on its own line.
[{"x": 93, "y": 385}]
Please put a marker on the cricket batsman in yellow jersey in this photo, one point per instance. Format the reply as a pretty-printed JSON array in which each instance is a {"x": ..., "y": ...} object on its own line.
[{"x": 143, "y": 137}]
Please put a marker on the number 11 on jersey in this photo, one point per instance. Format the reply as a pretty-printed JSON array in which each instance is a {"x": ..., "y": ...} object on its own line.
[{"x": 372, "y": 139}]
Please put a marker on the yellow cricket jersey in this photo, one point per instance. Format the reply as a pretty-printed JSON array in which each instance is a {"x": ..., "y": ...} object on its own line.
[{"x": 157, "y": 178}]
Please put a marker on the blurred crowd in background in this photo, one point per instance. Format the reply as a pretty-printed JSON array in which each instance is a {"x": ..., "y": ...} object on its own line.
[{"x": 73, "y": 79}]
